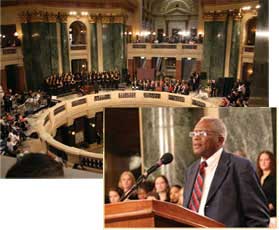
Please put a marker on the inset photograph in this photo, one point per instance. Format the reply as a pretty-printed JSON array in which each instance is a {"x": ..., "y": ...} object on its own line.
[
  {"x": 174, "y": 167},
  {"x": 63, "y": 62}
]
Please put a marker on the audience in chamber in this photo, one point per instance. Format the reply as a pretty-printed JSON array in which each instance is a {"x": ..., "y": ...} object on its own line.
[
  {"x": 161, "y": 189},
  {"x": 81, "y": 82},
  {"x": 15, "y": 112}
]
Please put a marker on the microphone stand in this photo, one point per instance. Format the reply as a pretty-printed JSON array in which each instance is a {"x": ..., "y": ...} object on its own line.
[
  {"x": 134, "y": 187},
  {"x": 165, "y": 159}
]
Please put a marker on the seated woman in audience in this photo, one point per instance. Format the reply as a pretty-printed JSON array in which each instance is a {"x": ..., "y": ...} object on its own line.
[
  {"x": 144, "y": 188},
  {"x": 115, "y": 195},
  {"x": 126, "y": 181},
  {"x": 180, "y": 200},
  {"x": 175, "y": 193},
  {"x": 162, "y": 187},
  {"x": 266, "y": 169}
]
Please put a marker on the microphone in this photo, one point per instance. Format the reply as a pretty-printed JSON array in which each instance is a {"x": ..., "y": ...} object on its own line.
[{"x": 164, "y": 160}]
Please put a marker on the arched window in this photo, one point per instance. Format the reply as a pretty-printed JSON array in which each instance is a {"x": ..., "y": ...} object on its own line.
[
  {"x": 251, "y": 27},
  {"x": 77, "y": 34}
]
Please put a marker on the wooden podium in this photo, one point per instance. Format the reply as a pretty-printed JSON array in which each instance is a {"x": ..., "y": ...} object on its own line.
[{"x": 153, "y": 213}]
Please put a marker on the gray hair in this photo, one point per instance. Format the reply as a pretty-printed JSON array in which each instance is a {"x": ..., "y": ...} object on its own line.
[{"x": 218, "y": 126}]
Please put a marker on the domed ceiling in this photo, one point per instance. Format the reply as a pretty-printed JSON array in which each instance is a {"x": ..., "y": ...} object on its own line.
[{"x": 172, "y": 7}]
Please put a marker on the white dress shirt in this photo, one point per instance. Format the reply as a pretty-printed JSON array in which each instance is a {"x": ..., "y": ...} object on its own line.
[{"x": 212, "y": 163}]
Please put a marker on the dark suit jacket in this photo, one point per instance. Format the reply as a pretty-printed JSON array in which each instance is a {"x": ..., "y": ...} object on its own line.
[{"x": 235, "y": 196}]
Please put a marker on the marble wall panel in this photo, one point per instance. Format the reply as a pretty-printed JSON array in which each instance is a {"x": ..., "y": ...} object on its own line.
[
  {"x": 40, "y": 52},
  {"x": 113, "y": 46},
  {"x": 214, "y": 48},
  {"x": 108, "y": 47},
  {"x": 188, "y": 67},
  {"x": 249, "y": 129},
  {"x": 65, "y": 48},
  {"x": 235, "y": 48},
  {"x": 94, "y": 47},
  {"x": 53, "y": 47},
  {"x": 167, "y": 130},
  {"x": 259, "y": 86}
]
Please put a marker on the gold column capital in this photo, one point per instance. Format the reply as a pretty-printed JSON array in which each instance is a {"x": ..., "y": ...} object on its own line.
[
  {"x": 62, "y": 17},
  {"x": 38, "y": 16},
  {"x": 215, "y": 16},
  {"x": 93, "y": 18},
  {"x": 52, "y": 17}
]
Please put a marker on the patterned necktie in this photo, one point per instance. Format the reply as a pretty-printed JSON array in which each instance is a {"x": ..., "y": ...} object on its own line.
[{"x": 197, "y": 190}]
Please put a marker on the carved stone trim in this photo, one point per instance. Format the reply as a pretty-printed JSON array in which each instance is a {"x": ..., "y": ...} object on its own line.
[{"x": 41, "y": 16}]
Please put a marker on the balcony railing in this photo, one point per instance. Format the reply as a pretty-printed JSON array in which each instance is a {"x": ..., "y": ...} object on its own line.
[
  {"x": 78, "y": 46},
  {"x": 249, "y": 49},
  {"x": 248, "y": 53},
  {"x": 9, "y": 50},
  {"x": 11, "y": 56},
  {"x": 178, "y": 50}
]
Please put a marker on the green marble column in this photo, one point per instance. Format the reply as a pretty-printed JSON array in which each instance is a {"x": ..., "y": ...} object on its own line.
[
  {"x": 94, "y": 47},
  {"x": 39, "y": 51},
  {"x": 113, "y": 46},
  {"x": 65, "y": 48},
  {"x": 53, "y": 47},
  {"x": 214, "y": 48},
  {"x": 235, "y": 49},
  {"x": 260, "y": 79},
  {"x": 167, "y": 130}
]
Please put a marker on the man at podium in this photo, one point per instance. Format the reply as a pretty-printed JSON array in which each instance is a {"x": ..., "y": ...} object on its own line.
[{"x": 220, "y": 185}]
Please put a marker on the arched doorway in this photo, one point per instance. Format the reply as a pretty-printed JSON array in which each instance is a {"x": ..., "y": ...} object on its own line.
[
  {"x": 77, "y": 34},
  {"x": 251, "y": 28}
]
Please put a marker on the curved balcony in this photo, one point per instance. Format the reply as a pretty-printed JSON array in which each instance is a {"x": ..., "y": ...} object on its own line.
[{"x": 66, "y": 111}]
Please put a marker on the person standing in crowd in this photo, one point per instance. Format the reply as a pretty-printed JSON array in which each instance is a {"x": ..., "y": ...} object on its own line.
[
  {"x": 266, "y": 169},
  {"x": 8, "y": 102},
  {"x": 220, "y": 185},
  {"x": 162, "y": 187},
  {"x": 213, "y": 88}
]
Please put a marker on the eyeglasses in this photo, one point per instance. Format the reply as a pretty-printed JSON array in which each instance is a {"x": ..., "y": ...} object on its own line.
[{"x": 199, "y": 133}]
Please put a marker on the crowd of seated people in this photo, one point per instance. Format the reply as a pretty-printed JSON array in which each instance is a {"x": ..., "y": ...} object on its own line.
[
  {"x": 172, "y": 39},
  {"x": 26, "y": 102},
  {"x": 158, "y": 189},
  {"x": 239, "y": 95},
  {"x": 170, "y": 85},
  {"x": 60, "y": 84},
  {"x": 14, "y": 124},
  {"x": 13, "y": 132}
]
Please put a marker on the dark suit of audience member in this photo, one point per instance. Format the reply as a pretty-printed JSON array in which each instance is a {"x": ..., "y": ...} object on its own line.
[{"x": 230, "y": 190}]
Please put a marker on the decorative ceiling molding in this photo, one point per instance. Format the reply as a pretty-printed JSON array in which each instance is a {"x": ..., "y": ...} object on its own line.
[
  {"x": 129, "y": 5},
  {"x": 164, "y": 7},
  {"x": 222, "y": 2}
]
